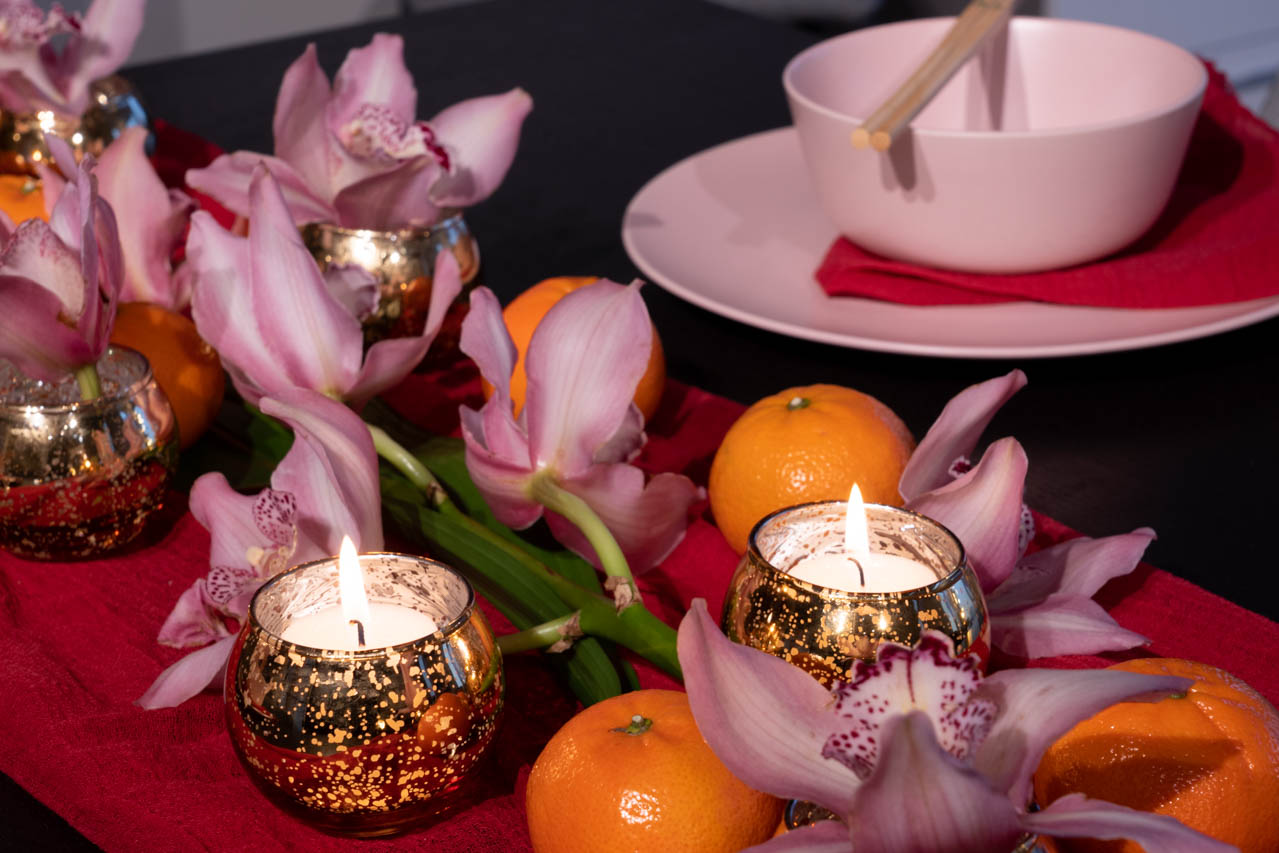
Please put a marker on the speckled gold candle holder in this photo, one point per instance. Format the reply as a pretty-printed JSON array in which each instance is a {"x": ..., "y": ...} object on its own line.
[
  {"x": 371, "y": 742},
  {"x": 403, "y": 264},
  {"x": 80, "y": 478},
  {"x": 823, "y": 630}
]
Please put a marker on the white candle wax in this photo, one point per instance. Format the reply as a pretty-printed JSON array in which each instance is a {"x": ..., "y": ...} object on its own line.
[
  {"x": 386, "y": 625},
  {"x": 879, "y": 572}
]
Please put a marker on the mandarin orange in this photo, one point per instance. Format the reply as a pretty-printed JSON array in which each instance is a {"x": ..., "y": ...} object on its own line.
[
  {"x": 527, "y": 310},
  {"x": 1208, "y": 757},
  {"x": 633, "y": 773},
  {"x": 187, "y": 369},
  {"x": 21, "y": 198},
  {"x": 804, "y": 444}
]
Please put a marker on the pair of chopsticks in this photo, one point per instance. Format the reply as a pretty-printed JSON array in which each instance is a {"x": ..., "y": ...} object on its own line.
[{"x": 979, "y": 20}]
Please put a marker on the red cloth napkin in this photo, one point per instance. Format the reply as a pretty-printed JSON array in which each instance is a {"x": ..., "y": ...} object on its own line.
[
  {"x": 79, "y": 648},
  {"x": 1217, "y": 241}
]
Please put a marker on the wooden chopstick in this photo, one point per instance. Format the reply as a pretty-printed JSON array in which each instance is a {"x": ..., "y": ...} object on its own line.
[{"x": 974, "y": 25}]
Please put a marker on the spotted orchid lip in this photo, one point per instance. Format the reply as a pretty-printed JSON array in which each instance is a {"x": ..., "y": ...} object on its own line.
[{"x": 930, "y": 678}]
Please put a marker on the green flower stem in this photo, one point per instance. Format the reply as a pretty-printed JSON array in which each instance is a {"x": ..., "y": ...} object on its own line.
[
  {"x": 539, "y": 636},
  {"x": 544, "y": 490},
  {"x": 408, "y": 465},
  {"x": 86, "y": 375},
  {"x": 635, "y": 627}
]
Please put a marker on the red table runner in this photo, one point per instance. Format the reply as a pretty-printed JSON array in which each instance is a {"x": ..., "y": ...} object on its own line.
[{"x": 79, "y": 648}]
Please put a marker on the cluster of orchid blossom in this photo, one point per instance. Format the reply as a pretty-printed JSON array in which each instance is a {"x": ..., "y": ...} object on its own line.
[
  {"x": 354, "y": 153},
  {"x": 916, "y": 751},
  {"x": 1040, "y": 604},
  {"x": 49, "y": 60}
]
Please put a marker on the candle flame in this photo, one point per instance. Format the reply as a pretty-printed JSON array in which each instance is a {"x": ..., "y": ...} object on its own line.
[
  {"x": 856, "y": 528},
  {"x": 355, "y": 603}
]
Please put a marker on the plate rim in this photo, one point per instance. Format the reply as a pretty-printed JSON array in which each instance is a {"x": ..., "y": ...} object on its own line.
[{"x": 1262, "y": 309}]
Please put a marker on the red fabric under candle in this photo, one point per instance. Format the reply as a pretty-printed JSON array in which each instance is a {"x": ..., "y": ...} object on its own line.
[
  {"x": 79, "y": 648},
  {"x": 1216, "y": 242}
]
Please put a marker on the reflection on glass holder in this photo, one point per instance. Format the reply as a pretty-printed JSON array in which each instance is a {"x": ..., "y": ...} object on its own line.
[
  {"x": 79, "y": 478},
  {"x": 114, "y": 105},
  {"x": 823, "y": 630},
  {"x": 371, "y": 742},
  {"x": 403, "y": 262}
]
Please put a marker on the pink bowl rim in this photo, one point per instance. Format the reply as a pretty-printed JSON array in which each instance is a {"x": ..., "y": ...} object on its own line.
[{"x": 1021, "y": 22}]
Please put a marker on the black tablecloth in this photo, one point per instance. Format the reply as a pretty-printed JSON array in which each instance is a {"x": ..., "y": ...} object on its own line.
[{"x": 1180, "y": 438}]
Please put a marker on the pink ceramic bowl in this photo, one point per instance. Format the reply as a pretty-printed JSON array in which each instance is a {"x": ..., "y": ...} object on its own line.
[{"x": 1058, "y": 144}]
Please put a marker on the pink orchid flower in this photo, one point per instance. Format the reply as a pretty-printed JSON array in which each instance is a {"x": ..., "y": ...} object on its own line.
[
  {"x": 1041, "y": 604},
  {"x": 279, "y": 323},
  {"x": 916, "y": 753},
  {"x": 36, "y": 75},
  {"x": 152, "y": 219},
  {"x": 578, "y": 426},
  {"x": 354, "y": 153},
  {"x": 324, "y": 488},
  {"x": 59, "y": 281}
]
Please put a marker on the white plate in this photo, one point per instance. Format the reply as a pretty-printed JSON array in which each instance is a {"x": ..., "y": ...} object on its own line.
[{"x": 737, "y": 231}]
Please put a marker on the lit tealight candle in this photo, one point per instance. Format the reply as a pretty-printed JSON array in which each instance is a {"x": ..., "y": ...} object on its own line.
[
  {"x": 857, "y": 568},
  {"x": 355, "y": 622}
]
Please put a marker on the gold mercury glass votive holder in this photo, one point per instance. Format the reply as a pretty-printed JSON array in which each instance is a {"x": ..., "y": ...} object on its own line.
[
  {"x": 79, "y": 478},
  {"x": 113, "y": 106},
  {"x": 823, "y": 630},
  {"x": 370, "y": 742},
  {"x": 403, "y": 263}
]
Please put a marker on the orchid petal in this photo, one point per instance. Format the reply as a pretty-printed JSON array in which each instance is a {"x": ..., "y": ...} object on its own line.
[
  {"x": 394, "y": 198},
  {"x": 983, "y": 509},
  {"x": 229, "y": 177},
  {"x": 825, "y": 836},
  {"x": 1060, "y": 626},
  {"x": 1037, "y": 706},
  {"x": 389, "y": 361},
  {"x": 625, "y": 444},
  {"x": 252, "y": 537},
  {"x": 26, "y": 30},
  {"x": 374, "y": 74},
  {"x": 1078, "y": 567},
  {"x": 317, "y": 343},
  {"x": 301, "y": 132},
  {"x": 962, "y": 814},
  {"x": 153, "y": 224},
  {"x": 354, "y": 288},
  {"x": 955, "y": 433},
  {"x": 765, "y": 719},
  {"x": 1076, "y": 816},
  {"x": 105, "y": 40},
  {"x": 647, "y": 521},
  {"x": 332, "y": 469},
  {"x": 195, "y": 619},
  {"x": 32, "y": 336},
  {"x": 192, "y": 674},
  {"x": 488, "y": 343},
  {"x": 222, "y": 307},
  {"x": 929, "y": 678},
  {"x": 497, "y": 451},
  {"x": 502, "y": 478},
  {"x": 36, "y": 253},
  {"x": 583, "y": 363},
  {"x": 480, "y": 136}
]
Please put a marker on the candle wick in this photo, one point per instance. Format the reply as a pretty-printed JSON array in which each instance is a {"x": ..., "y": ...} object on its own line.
[
  {"x": 861, "y": 573},
  {"x": 359, "y": 631}
]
